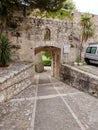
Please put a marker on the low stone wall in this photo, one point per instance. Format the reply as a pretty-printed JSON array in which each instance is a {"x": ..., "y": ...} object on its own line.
[
  {"x": 79, "y": 79},
  {"x": 15, "y": 79}
]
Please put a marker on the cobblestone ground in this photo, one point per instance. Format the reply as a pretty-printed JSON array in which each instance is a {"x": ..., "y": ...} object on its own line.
[{"x": 49, "y": 104}]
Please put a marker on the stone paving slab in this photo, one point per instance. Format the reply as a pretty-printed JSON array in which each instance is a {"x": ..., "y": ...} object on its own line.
[
  {"x": 46, "y": 90},
  {"x": 44, "y": 79},
  {"x": 53, "y": 80},
  {"x": 52, "y": 114},
  {"x": 64, "y": 88},
  {"x": 86, "y": 109}
]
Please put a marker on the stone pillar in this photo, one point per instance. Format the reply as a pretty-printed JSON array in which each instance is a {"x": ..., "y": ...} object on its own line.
[
  {"x": 39, "y": 66},
  {"x": 55, "y": 63},
  {"x": 52, "y": 67},
  {"x": 58, "y": 64}
]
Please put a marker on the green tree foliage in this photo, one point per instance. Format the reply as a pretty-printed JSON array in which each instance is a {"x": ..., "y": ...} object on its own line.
[
  {"x": 59, "y": 14},
  {"x": 46, "y": 54},
  {"x": 69, "y": 5},
  {"x": 87, "y": 27},
  {"x": 8, "y": 7},
  {"x": 58, "y": 8},
  {"x": 46, "y": 58},
  {"x": 50, "y": 5},
  {"x": 65, "y": 11}
]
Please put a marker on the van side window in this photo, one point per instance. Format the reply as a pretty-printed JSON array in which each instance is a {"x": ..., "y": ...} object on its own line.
[
  {"x": 93, "y": 50},
  {"x": 88, "y": 50}
]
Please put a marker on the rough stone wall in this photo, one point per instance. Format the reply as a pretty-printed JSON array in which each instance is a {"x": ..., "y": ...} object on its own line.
[
  {"x": 62, "y": 33},
  {"x": 12, "y": 85},
  {"x": 79, "y": 79}
]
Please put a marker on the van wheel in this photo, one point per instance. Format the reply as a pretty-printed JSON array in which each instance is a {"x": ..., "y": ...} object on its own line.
[{"x": 87, "y": 61}]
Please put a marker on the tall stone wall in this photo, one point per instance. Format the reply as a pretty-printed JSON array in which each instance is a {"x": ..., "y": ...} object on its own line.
[{"x": 32, "y": 31}]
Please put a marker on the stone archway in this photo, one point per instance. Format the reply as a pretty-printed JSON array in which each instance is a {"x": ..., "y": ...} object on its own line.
[{"x": 56, "y": 57}]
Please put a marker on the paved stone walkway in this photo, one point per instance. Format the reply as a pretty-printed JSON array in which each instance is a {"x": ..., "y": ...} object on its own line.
[{"x": 49, "y": 104}]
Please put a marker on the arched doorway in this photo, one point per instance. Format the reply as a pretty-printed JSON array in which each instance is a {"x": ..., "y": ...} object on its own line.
[{"x": 56, "y": 57}]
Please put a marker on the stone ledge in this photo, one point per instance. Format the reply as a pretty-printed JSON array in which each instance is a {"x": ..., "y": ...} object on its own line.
[
  {"x": 79, "y": 79},
  {"x": 82, "y": 71},
  {"x": 14, "y": 69}
]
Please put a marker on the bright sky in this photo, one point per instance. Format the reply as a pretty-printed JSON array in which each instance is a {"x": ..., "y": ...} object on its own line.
[{"x": 90, "y": 6}]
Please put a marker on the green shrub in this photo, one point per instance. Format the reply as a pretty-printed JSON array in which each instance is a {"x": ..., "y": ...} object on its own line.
[
  {"x": 47, "y": 55},
  {"x": 78, "y": 59},
  {"x": 47, "y": 63},
  {"x": 5, "y": 51}
]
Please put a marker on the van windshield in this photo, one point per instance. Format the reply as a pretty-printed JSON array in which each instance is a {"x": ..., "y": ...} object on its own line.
[
  {"x": 91, "y": 50},
  {"x": 88, "y": 50}
]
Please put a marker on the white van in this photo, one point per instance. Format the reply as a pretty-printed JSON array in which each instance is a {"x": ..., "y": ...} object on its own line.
[{"x": 91, "y": 53}]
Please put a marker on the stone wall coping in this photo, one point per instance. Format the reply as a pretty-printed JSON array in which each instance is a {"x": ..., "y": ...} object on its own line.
[
  {"x": 81, "y": 71},
  {"x": 14, "y": 69}
]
